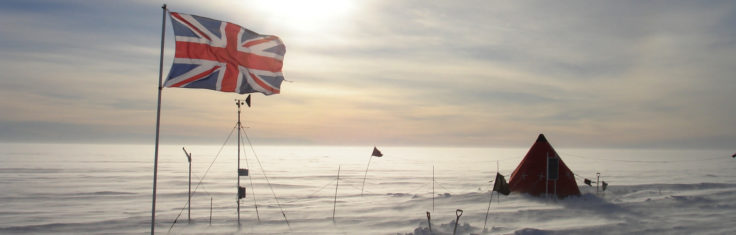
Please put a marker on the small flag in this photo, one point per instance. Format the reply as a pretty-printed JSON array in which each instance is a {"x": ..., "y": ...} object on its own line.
[
  {"x": 588, "y": 182},
  {"x": 376, "y": 152},
  {"x": 605, "y": 185},
  {"x": 500, "y": 185},
  {"x": 247, "y": 101}
]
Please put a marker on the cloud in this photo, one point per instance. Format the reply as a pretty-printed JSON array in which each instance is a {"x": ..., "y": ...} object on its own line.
[{"x": 397, "y": 72}]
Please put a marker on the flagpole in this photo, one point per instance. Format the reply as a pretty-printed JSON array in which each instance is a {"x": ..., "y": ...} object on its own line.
[
  {"x": 487, "y": 210},
  {"x": 365, "y": 175},
  {"x": 158, "y": 120}
]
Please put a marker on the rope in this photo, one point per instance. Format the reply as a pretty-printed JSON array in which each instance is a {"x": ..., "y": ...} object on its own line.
[
  {"x": 202, "y": 178},
  {"x": 203, "y": 187},
  {"x": 644, "y": 161},
  {"x": 508, "y": 158},
  {"x": 320, "y": 189},
  {"x": 438, "y": 183},
  {"x": 416, "y": 190},
  {"x": 266, "y": 177}
]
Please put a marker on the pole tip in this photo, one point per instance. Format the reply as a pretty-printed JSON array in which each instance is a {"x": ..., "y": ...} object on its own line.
[{"x": 164, "y": 6}]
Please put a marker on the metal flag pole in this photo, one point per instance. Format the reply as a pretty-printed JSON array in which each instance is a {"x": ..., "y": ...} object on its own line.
[{"x": 158, "y": 120}]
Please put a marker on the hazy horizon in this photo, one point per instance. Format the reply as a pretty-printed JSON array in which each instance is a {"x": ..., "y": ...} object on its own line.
[{"x": 83, "y": 189}]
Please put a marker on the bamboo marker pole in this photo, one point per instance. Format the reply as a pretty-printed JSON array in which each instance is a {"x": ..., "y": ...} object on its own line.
[
  {"x": 334, "y": 204},
  {"x": 375, "y": 153},
  {"x": 189, "y": 194},
  {"x": 487, "y": 211},
  {"x": 365, "y": 175},
  {"x": 597, "y": 179}
]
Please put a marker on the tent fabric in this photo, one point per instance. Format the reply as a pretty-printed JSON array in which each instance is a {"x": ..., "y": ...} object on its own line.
[{"x": 531, "y": 174}]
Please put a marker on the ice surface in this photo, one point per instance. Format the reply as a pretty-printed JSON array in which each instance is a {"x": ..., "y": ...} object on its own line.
[{"x": 93, "y": 189}]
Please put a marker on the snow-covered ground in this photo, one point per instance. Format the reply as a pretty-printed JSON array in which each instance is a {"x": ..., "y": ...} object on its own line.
[{"x": 81, "y": 189}]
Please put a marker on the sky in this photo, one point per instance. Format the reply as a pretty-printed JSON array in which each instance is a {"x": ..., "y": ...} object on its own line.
[{"x": 589, "y": 74}]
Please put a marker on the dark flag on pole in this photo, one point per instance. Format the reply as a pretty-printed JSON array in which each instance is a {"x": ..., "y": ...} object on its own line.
[
  {"x": 604, "y": 184},
  {"x": 376, "y": 152},
  {"x": 588, "y": 182},
  {"x": 247, "y": 101},
  {"x": 500, "y": 185}
]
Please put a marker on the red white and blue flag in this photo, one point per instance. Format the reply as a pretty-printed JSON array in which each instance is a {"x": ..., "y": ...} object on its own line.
[{"x": 223, "y": 56}]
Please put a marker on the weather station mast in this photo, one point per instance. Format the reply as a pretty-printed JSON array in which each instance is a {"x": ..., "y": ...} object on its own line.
[{"x": 241, "y": 171}]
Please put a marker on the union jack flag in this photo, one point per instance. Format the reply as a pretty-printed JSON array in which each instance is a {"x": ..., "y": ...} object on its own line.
[{"x": 223, "y": 56}]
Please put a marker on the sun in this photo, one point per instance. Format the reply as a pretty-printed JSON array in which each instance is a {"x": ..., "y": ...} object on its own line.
[{"x": 303, "y": 15}]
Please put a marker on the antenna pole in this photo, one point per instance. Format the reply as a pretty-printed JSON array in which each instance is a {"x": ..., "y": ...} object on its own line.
[
  {"x": 238, "y": 103},
  {"x": 158, "y": 120}
]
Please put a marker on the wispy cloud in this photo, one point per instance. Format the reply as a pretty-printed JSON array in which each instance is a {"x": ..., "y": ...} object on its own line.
[{"x": 652, "y": 74}]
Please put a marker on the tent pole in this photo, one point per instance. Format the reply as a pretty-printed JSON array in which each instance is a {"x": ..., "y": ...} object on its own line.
[{"x": 158, "y": 120}]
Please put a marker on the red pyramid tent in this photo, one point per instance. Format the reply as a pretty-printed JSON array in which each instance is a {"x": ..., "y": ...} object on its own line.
[{"x": 531, "y": 174}]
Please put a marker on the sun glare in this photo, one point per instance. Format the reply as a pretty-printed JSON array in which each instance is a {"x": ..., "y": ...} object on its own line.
[{"x": 305, "y": 15}]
